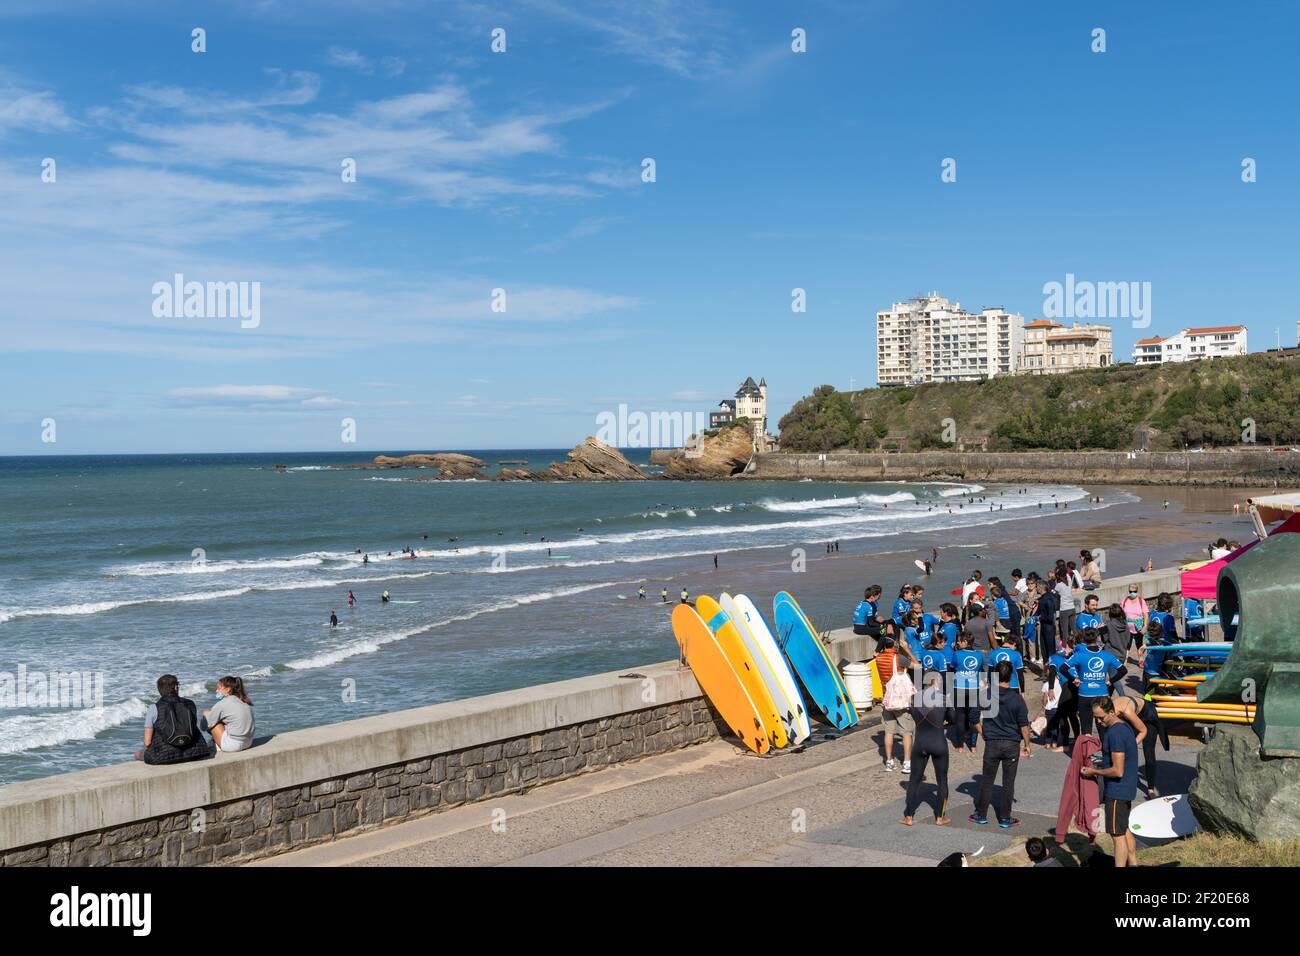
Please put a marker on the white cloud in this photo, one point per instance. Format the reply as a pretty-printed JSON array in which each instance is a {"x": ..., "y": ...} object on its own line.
[
  {"x": 686, "y": 38},
  {"x": 40, "y": 111},
  {"x": 245, "y": 393},
  {"x": 350, "y": 59}
]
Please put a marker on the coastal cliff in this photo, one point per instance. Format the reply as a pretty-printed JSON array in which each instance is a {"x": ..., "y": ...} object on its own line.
[{"x": 722, "y": 455}]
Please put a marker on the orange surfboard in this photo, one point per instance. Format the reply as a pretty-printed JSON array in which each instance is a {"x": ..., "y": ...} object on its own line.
[
  {"x": 717, "y": 678},
  {"x": 742, "y": 662}
]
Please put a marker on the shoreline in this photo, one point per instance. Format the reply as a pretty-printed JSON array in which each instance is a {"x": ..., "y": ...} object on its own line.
[{"x": 828, "y": 586}]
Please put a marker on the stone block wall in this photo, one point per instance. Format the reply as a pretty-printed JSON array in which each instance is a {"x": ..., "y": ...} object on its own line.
[
  {"x": 274, "y": 822},
  {"x": 1240, "y": 467}
]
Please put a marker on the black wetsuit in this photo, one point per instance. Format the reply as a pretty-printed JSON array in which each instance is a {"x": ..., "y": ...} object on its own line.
[{"x": 929, "y": 744}]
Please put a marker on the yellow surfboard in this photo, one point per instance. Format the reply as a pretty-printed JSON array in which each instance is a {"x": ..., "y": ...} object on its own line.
[
  {"x": 877, "y": 689},
  {"x": 746, "y": 668},
  {"x": 716, "y": 677}
]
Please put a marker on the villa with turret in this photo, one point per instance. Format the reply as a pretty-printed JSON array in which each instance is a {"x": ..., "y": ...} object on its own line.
[{"x": 751, "y": 403}]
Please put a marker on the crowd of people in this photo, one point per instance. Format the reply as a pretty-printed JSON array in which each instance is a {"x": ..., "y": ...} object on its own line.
[{"x": 972, "y": 653}]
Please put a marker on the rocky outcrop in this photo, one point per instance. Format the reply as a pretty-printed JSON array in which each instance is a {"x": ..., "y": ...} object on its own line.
[
  {"x": 593, "y": 460},
  {"x": 1239, "y": 792},
  {"x": 721, "y": 455},
  {"x": 521, "y": 474},
  {"x": 448, "y": 464}
]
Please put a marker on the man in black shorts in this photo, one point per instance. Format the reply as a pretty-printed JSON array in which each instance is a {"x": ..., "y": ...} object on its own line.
[{"x": 1119, "y": 773}]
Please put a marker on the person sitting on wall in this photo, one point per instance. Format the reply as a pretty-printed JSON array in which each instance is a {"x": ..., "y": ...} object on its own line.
[
  {"x": 171, "y": 727},
  {"x": 230, "y": 722}
]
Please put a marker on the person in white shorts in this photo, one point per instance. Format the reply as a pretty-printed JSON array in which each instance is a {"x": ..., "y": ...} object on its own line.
[{"x": 230, "y": 721}]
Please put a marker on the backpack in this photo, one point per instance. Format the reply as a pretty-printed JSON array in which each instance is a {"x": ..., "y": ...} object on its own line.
[
  {"x": 899, "y": 692},
  {"x": 175, "y": 723}
]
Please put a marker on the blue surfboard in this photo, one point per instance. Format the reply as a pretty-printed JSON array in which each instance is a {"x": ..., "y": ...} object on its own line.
[{"x": 819, "y": 675}]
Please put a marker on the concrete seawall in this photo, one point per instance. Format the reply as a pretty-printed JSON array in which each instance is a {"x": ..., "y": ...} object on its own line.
[
  {"x": 314, "y": 786},
  {"x": 1248, "y": 467}
]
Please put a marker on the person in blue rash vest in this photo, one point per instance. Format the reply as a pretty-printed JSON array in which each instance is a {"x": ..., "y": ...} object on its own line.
[
  {"x": 1067, "y": 715},
  {"x": 1092, "y": 671},
  {"x": 1193, "y": 608},
  {"x": 1165, "y": 604},
  {"x": 949, "y": 625},
  {"x": 1152, "y": 663},
  {"x": 938, "y": 656},
  {"x": 917, "y": 639},
  {"x": 1008, "y": 652},
  {"x": 967, "y": 666},
  {"x": 928, "y": 622},
  {"x": 1088, "y": 618},
  {"x": 902, "y": 605},
  {"x": 866, "y": 616}
]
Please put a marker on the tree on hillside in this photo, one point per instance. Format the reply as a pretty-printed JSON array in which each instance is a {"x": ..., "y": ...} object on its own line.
[{"x": 823, "y": 421}]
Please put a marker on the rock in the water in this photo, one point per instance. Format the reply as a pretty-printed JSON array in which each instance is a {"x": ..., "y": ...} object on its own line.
[
  {"x": 449, "y": 464},
  {"x": 722, "y": 455},
  {"x": 1239, "y": 792},
  {"x": 593, "y": 460}
]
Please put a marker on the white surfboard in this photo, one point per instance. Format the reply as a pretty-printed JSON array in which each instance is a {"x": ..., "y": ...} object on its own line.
[
  {"x": 1163, "y": 819},
  {"x": 772, "y": 666},
  {"x": 919, "y": 563}
]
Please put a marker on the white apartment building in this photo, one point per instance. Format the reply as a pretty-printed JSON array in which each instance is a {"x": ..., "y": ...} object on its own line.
[
  {"x": 1191, "y": 345},
  {"x": 930, "y": 339},
  {"x": 1049, "y": 348}
]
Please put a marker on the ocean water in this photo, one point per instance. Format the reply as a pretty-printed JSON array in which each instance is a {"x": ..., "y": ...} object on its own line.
[{"x": 129, "y": 567}]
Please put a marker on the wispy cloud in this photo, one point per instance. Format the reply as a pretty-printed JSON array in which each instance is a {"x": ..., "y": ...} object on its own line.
[
  {"x": 27, "y": 109},
  {"x": 255, "y": 395},
  {"x": 689, "y": 39}
]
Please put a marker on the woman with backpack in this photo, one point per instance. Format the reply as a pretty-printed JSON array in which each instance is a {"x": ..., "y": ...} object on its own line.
[{"x": 1135, "y": 613}]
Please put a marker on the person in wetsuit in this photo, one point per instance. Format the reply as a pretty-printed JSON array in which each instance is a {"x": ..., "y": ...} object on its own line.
[{"x": 930, "y": 744}]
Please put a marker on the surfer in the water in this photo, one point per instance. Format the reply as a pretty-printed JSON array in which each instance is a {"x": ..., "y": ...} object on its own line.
[
  {"x": 384, "y": 599},
  {"x": 334, "y": 619},
  {"x": 351, "y": 599}
]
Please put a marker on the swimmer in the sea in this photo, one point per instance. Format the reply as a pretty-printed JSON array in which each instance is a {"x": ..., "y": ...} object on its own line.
[{"x": 384, "y": 599}]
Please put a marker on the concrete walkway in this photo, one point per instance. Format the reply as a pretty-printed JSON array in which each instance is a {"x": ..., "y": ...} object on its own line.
[{"x": 832, "y": 804}]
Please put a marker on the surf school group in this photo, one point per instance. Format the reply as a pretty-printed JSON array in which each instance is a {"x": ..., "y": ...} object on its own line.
[{"x": 970, "y": 661}]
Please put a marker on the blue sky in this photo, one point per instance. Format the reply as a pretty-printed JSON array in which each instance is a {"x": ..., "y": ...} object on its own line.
[{"x": 521, "y": 171}]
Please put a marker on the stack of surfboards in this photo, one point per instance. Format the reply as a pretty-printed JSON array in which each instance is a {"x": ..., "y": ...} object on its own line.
[
  {"x": 1185, "y": 667},
  {"x": 754, "y": 677},
  {"x": 1176, "y": 700}
]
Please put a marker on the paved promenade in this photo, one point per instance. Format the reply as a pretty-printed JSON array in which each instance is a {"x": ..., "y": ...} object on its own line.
[{"x": 831, "y": 804}]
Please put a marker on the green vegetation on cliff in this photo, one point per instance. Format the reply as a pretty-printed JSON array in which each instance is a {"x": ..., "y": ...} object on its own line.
[{"x": 1193, "y": 404}]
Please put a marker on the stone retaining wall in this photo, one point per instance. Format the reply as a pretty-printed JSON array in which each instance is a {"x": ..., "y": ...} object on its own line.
[
  {"x": 318, "y": 812},
  {"x": 1250, "y": 467}
]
